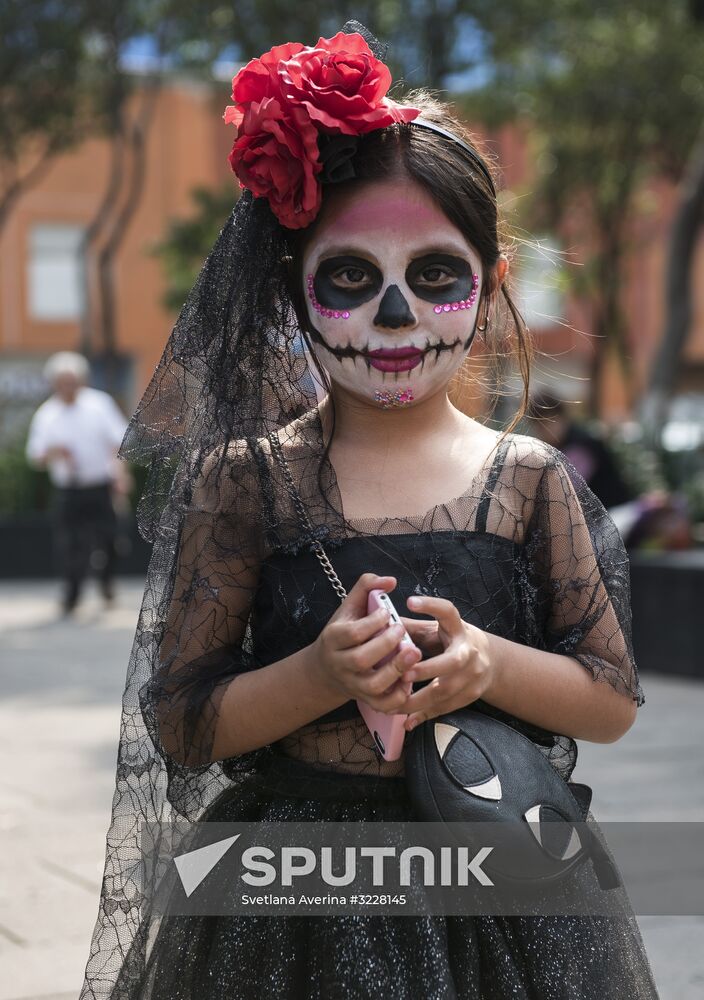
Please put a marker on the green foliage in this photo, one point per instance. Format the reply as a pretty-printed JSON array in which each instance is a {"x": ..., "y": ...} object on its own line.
[
  {"x": 423, "y": 35},
  {"x": 187, "y": 241},
  {"x": 26, "y": 490},
  {"x": 22, "y": 488},
  {"x": 610, "y": 95},
  {"x": 611, "y": 92},
  {"x": 40, "y": 93},
  {"x": 693, "y": 490},
  {"x": 684, "y": 472},
  {"x": 640, "y": 465}
]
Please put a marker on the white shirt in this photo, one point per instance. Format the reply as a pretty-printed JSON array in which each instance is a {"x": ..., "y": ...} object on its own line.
[{"x": 91, "y": 428}]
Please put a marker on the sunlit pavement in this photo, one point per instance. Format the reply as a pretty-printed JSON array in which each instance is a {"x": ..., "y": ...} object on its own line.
[{"x": 61, "y": 683}]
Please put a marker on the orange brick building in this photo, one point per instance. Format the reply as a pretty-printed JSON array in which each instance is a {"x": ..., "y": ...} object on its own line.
[{"x": 41, "y": 302}]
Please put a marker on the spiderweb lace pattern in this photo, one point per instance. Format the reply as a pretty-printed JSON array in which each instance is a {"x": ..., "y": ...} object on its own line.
[{"x": 232, "y": 585}]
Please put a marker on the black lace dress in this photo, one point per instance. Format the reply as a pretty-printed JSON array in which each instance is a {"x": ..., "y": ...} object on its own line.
[{"x": 526, "y": 553}]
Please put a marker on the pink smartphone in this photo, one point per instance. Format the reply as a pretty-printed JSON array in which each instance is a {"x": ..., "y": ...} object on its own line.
[{"x": 387, "y": 730}]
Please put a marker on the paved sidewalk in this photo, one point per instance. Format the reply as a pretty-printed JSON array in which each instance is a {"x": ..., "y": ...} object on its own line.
[{"x": 60, "y": 689}]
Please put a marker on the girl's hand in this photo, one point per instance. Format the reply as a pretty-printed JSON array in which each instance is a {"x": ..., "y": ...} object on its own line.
[
  {"x": 345, "y": 652},
  {"x": 425, "y": 634},
  {"x": 461, "y": 668}
]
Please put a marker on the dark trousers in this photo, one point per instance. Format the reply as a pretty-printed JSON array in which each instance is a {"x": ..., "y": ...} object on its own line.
[{"x": 84, "y": 534}]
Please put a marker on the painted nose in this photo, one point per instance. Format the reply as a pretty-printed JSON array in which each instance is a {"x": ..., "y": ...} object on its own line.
[{"x": 394, "y": 312}]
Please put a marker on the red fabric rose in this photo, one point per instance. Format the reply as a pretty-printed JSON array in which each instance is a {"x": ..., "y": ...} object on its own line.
[
  {"x": 258, "y": 79},
  {"x": 233, "y": 116},
  {"x": 342, "y": 86},
  {"x": 275, "y": 156},
  {"x": 286, "y": 98}
]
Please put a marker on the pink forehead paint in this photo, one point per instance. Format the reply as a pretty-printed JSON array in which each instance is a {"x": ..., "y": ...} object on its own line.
[{"x": 384, "y": 212}]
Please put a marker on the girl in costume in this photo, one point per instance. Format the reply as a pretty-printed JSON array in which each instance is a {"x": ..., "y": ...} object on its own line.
[{"x": 314, "y": 359}]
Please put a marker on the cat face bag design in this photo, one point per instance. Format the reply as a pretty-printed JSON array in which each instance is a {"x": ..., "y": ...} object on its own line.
[{"x": 467, "y": 767}]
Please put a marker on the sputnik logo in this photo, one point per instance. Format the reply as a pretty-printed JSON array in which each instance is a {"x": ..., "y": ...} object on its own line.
[{"x": 193, "y": 866}]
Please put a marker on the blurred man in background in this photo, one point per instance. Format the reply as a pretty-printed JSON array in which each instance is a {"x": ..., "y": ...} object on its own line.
[
  {"x": 590, "y": 456},
  {"x": 654, "y": 519},
  {"x": 75, "y": 434}
]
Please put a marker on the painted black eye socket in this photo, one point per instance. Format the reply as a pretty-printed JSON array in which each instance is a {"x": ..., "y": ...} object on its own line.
[
  {"x": 440, "y": 277},
  {"x": 346, "y": 281}
]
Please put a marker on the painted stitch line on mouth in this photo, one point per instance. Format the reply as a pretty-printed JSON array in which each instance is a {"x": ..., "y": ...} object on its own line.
[
  {"x": 417, "y": 366},
  {"x": 392, "y": 353},
  {"x": 354, "y": 352}
]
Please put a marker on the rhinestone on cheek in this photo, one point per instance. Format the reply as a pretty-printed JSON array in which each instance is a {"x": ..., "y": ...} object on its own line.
[
  {"x": 328, "y": 313},
  {"x": 461, "y": 303}
]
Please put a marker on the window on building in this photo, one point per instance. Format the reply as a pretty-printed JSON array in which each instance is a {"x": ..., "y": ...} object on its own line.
[
  {"x": 55, "y": 272},
  {"x": 539, "y": 285}
]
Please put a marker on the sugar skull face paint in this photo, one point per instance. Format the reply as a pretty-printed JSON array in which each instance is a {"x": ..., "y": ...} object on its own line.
[{"x": 392, "y": 290}]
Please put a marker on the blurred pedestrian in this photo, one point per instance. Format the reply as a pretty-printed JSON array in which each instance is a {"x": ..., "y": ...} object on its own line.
[
  {"x": 591, "y": 457},
  {"x": 653, "y": 520},
  {"x": 75, "y": 435}
]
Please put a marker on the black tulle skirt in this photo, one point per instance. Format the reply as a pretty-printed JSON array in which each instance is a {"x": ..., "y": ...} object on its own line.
[{"x": 376, "y": 956}]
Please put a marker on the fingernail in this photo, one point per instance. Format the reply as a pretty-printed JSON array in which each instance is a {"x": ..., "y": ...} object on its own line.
[{"x": 414, "y": 602}]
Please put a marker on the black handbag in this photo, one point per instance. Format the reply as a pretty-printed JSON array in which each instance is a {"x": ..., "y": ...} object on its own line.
[{"x": 468, "y": 767}]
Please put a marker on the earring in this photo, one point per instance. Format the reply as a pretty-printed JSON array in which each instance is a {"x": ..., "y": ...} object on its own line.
[
  {"x": 462, "y": 303},
  {"x": 330, "y": 313},
  {"x": 482, "y": 328}
]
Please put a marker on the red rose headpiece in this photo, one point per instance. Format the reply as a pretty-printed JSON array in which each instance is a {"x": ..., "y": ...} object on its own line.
[{"x": 292, "y": 97}]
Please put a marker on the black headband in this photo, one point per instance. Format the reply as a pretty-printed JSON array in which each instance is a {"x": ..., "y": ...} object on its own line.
[
  {"x": 476, "y": 158},
  {"x": 337, "y": 152}
]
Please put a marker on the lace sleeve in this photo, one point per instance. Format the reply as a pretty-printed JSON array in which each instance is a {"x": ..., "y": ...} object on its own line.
[
  {"x": 580, "y": 573},
  {"x": 205, "y": 642}
]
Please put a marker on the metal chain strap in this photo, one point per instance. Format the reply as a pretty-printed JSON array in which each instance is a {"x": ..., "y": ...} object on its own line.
[{"x": 316, "y": 545}]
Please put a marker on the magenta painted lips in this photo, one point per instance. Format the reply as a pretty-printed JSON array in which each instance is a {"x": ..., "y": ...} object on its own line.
[{"x": 396, "y": 359}]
